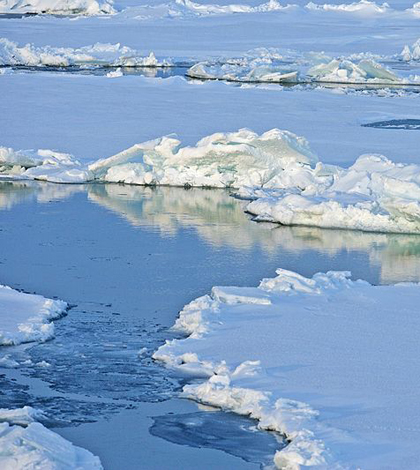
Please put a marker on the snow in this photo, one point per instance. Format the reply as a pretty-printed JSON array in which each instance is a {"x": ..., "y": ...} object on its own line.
[
  {"x": 27, "y": 444},
  {"x": 314, "y": 359},
  {"x": 363, "y": 7},
  {"x": 58, "y": 7},
  {"x": 105, "y": 55},
  {"x": 27, "y": 317}
]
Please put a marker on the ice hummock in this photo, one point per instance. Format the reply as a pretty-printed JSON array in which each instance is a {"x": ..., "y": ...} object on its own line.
[
  {"x": 277, "y": 171},
  {"x": 58, "y": 7},
  {"x": 27, "y": 444},
  {"x": 413, "y": 52},
  {"x": 316, "y": 362},
  {"x": 105, "y": 55},
  {"x": 27, "y": 317}
]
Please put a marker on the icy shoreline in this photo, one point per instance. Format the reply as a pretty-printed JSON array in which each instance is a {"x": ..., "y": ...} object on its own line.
[
  {"x": 276, "y": 171},
  {"x": 273, "y": 376}
]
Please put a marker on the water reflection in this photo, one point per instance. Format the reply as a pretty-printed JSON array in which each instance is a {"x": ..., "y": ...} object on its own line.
[{"x": 220, "y": 221}]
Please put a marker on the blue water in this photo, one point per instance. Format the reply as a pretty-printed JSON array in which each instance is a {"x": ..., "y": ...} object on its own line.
[{"x": 128, "y": 259}]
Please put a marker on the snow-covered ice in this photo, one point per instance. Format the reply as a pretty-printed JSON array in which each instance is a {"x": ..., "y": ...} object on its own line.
[
  {"x": 27, "y": 317},
  {"x": 313, "y": 358},
  {"x": 26, "y": 444}
]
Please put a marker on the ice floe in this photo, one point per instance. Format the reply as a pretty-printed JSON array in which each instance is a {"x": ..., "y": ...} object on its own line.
[
  {"x": 105, "y": 55},
  {"x": 27, "y": 317},
  {"x": 315, "y": 361},
  {"x": 58, "y": 7},
  {"x": 277, "y": 171},
  {"x": 364, "y": 7},
  {"x": 27, "y": 444}
]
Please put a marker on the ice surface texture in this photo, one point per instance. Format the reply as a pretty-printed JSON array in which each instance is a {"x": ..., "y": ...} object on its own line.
[
  {"x": 277, "y": 171},
  {"x": 26, "y": 317},
  {"x": 315, "y": 361}
]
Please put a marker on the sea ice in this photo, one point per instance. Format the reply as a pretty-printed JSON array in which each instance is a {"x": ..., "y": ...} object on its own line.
[
  {"x": 27, "y": 317},
  {"x": 315, "y": 361}
]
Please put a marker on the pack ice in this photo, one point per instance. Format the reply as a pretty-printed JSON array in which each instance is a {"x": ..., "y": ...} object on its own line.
[
  {"x": 27, "y": 317},
  {"x": 58, "y": 7},
  {"x": 277, "y": 171},
  {"x": 316, "y": 362},
  {"x": 105, "y": 55},
  {"x": 27, "y": 444}
]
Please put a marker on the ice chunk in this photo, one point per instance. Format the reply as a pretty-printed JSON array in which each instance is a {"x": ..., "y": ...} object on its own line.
[
  {"x": 221, "y": 160},
  {"x": 26, "y": 317},
  {"x": 413, "y": 52}
]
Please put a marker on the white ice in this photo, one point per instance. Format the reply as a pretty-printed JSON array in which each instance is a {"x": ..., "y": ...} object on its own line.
[
  {"x": 313, "y": 358},
  {"x": 27, "y": 317}
]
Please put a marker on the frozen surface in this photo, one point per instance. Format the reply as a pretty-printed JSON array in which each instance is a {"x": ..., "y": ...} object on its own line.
[
  {"x": 340, "y": 409},
  {"x": 27, "y": 444},
  {"x": 27, "y": 317}
]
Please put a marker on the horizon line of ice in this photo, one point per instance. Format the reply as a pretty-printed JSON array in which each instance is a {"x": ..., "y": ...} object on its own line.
[
  {"x": 276, "y": 171},
  {"x": 59, "y": 7}
]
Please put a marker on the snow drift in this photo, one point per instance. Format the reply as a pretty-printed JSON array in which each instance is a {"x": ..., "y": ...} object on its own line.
[
  {"x": 105, "y": 55},
  {"x": 26, "y": 444},
  {"x": 58, "y": 7},
  {"x": 27, "y": 317},
  {"x": 315, "y": 362}
]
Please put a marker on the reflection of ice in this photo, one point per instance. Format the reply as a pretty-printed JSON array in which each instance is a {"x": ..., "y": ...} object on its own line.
[
  {"x": 17, "y": 192},
  {"x": 219, "y": 219}
]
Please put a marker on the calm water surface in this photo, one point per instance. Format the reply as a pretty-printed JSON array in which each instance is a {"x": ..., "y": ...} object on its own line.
[{"x": 128, "y": 259}]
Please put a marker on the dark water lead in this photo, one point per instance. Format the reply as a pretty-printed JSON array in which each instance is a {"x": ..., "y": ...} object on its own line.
[
  {"x": 231, "y": 433},
  {"x": 399, "y": 124}
]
